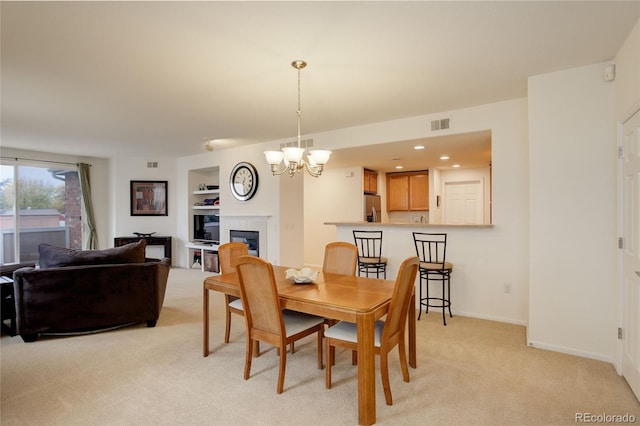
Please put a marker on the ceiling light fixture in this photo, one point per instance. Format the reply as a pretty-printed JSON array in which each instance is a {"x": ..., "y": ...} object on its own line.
[
  {"x": 208, "y": 145},
  {"x": 456, "y": 165},
  {"x": 444, "y": 157},
  {"x": 418, "y": 147},
  {"x": 293, "y": 156}
]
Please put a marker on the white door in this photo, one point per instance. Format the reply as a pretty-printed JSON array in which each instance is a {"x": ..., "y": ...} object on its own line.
[
  {"x": 631, "y": 252},
  {"x": 463, "y": 203}
]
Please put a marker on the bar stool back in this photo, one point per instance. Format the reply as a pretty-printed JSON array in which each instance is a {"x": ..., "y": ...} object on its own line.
[
  {"x": 370, "y": 257},
  {"x": 431, "y": 249}
]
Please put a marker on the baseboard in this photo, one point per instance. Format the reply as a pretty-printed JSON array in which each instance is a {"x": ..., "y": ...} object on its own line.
[
  {"x": 541, "y": 345},
  {"x": 569, "y": 351},
  {"x": 491, "y": 318}
]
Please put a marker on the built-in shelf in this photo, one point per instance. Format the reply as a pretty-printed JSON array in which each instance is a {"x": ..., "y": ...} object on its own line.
[
  {"x": 206, "y": 207},
  {"x": 207, "y": 191}
]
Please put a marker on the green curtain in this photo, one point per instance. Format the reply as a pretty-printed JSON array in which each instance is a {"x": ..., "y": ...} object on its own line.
[{"x": 85, "y": 182}]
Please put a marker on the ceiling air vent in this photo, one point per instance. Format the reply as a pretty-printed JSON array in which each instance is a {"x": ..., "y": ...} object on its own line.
[
  {"x": 440, "y": 124},
  {"x": 304, "y": 143},
  {"x": 152, "y": 164}
]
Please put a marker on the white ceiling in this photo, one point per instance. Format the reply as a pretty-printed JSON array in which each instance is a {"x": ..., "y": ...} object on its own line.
[{"x": 129, "y": 78}]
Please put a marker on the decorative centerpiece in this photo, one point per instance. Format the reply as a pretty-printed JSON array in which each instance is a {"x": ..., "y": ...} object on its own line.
[{"x": 304, "y": 275}]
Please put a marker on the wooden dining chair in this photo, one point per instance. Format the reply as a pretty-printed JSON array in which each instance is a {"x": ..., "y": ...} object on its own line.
[
  {"x": 340, "y": 258},
  {"x": 388, "y": 333},
  {"x": 264, "y": 318},
  {"x": 228, "y": 255}
]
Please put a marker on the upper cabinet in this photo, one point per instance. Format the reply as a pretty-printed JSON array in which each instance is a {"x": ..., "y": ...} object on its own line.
[
  {"x": 408, "y": 191},
  {"x": 370, "y": 182}
]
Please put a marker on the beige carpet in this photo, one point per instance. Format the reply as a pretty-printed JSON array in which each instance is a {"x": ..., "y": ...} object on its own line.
[{"x": 472, "y": 372}]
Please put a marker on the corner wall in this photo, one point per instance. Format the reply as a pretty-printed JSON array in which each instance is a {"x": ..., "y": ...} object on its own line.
[{"x": 572, "y": 189}]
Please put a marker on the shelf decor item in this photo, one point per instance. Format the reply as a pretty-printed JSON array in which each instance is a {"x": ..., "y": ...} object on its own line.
[{"x": 148, "y": 198}]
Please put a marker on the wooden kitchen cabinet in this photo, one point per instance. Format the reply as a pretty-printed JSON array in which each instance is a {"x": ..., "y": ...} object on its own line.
[
  {"x": 370, "y": 182},
  {"x": 419, "y": 192},
  {"x": 408, "y": 191},
  {"x": 397, "y": 192}
]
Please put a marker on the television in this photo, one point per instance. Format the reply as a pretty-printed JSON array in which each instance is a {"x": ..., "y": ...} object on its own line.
[{"x": 206, "y": 227}]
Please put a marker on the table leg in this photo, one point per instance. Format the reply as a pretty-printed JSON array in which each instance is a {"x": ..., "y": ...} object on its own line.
[
  {"x": 205, "y": 321},
  {"x": 412, "y": 331},
  {"x": 366, "y": 370}
]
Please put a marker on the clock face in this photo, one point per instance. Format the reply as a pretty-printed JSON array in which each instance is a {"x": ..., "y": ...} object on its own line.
[{"x": 244, "y": 181}]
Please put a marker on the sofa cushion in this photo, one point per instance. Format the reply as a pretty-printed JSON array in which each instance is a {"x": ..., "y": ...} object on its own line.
[{"x": 53, "y": 256}]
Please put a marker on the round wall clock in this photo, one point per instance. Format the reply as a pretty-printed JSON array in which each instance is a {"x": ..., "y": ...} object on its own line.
[{"x": 244, "y": 181}]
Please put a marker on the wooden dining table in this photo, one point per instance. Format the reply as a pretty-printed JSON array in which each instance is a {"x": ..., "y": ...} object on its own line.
[{"x": 355, "y": 299}]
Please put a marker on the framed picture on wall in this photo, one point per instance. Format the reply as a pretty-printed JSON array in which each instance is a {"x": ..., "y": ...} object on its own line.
[{"x": 148, "y": 198}]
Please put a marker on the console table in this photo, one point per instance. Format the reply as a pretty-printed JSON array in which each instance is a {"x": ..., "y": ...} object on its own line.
[{"x": 151, "y": 241}]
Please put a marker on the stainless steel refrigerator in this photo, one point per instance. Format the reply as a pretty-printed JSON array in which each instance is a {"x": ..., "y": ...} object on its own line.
[{"x": 372, "y": 209}]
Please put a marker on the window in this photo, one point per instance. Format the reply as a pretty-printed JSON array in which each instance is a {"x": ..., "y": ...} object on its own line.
[{"x": 47, "y": 201}]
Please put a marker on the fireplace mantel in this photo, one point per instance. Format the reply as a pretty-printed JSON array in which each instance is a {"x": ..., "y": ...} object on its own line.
[{"x": 247, "y": 217}]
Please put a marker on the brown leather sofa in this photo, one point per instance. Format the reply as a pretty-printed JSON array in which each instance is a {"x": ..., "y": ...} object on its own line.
[
  {"x": 79, "y": 291},
  {"x": 8, "y": 307}
]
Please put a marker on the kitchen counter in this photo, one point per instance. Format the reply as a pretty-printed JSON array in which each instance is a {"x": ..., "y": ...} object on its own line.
[
  {"x": 406, "y": 224},
  {"x": 481, "y": 256}
]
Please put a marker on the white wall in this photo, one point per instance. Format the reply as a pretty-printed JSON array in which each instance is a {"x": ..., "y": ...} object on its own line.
[
  {"x": 481, "y": 268},
  {"x": 337, "y": 194},
  {"x": 266, "y": 202},
  {"x": 487, "y": 258},
  {"x": 123, "y": 171},
  {"x": 627, "y": 82},
  {"x": 572, "y": 165}
]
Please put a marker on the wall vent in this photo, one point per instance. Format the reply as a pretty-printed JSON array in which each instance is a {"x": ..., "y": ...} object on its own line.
[
  {"x": 152, "y": 164},
  {"x": 440, "y": 124},
  {"x": 304, "y": 143}
]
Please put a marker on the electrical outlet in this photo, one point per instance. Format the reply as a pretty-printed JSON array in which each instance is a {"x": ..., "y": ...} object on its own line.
[{"x": 507, "y": 288}]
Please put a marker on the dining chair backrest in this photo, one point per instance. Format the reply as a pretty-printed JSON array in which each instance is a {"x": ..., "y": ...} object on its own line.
[
  {"x": 431, "y": 249},
  {"x": 369, "y": 244},
  {"x": 340, "y": 258},
  {"x": 400, "y": 301},
  {"x": 259, "y": 293},
  {"x": 228, "y": 255}
]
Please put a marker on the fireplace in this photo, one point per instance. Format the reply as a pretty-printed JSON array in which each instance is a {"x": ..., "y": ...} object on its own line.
[
  {"x": 250, "y": 238},
  {"x": 257, "y": 229}
]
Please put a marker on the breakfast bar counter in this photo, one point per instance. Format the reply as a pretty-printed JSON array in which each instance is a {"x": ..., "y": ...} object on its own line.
[
  {"x": 406, "y": 224},
  {"x": 489, "y": 279}
]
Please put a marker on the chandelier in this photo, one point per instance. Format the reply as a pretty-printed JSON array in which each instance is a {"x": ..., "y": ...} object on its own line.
[{"x": 293, "y": 156}]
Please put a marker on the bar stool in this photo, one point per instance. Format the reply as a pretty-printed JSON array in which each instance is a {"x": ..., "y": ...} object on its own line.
[
  {"x": 370, "y": 257},
  {"x": 431, "y": 249}
]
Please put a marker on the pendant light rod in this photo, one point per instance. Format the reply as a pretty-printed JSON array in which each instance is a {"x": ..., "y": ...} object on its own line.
[{"x": 298, "y": 64}]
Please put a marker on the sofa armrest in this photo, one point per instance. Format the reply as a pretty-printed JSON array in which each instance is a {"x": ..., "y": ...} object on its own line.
[{"x": 8, "y": 270}]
